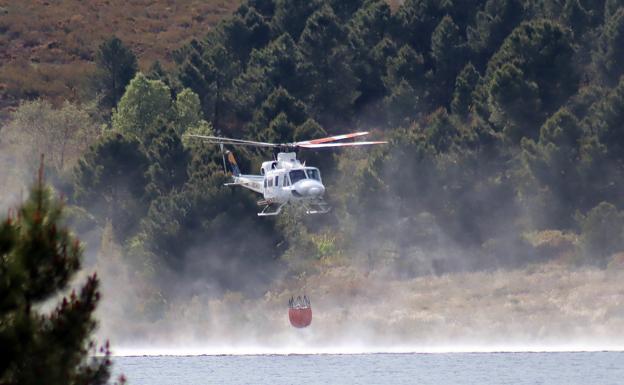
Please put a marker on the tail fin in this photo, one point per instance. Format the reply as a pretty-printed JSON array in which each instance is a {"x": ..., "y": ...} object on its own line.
[{"x": 232, "y": 163}]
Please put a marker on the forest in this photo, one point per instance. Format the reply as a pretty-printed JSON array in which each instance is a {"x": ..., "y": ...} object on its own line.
[{"x": 504, "y": 122}]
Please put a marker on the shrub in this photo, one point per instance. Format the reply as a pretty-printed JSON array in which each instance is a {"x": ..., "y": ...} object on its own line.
[{"x": 602, "y": 232}]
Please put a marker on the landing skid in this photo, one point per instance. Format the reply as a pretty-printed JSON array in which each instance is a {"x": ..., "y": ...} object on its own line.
[
  {"x": 271, "y": 209},
  {"x": 320, "y": 207}
]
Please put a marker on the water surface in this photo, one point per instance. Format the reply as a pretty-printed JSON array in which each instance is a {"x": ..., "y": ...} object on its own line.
[{"x": 598, "y": 368}]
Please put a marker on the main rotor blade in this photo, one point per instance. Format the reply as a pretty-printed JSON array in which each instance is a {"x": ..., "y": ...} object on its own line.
[
  {"x": 332, "y": 138},
  {"x": 220, "y": 140},
  {"x": 350, "y": 144}
]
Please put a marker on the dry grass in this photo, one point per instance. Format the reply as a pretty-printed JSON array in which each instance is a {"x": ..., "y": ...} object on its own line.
[
  {"x": 46, "y": 46},
  {"x": 546, "y": 305}
]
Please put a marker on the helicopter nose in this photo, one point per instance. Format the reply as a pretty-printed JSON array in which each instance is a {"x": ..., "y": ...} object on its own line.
[
  {"x": 310, "y": 188},
  {"x": 316, "y": 191}
]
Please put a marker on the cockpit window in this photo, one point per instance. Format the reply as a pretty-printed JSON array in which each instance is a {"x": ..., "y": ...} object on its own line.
[
  {"x": 313, "y": 174},
  {"x": 296, "y": 176}
]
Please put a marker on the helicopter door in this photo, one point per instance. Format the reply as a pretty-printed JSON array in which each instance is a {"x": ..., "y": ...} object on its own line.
[{"x": 271, "y": 180}]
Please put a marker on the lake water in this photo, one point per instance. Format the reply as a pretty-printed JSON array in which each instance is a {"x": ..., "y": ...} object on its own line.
[{"x": 583, "y": 368}]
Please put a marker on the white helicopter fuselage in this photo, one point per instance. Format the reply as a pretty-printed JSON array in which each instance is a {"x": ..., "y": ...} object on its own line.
[{"x": 285, "y": 180}]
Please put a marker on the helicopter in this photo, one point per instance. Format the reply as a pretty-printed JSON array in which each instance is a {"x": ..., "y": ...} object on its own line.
[{"x": 284, "y": 180}]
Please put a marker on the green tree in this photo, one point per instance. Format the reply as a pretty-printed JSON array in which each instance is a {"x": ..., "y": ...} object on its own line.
[
  {"x": 264, "y": 7},
  {"x": 276, "y": 65},
  {"x": 208, "y": 68},
  {"x": 142, "y": 105},
  {"x": 157, "y": 72},
  {"x": 406, "y": 84},
  {"x": 366, "y": 35},
  {"x": 117, "y": 65},
  {"x": 344, "y": 9},
  {"x": 492, "y": 25},
  {"x": 194, "y": 71},
  {"x": 609, "y": 57},
  {"x": 291, "y": 15},
  {"x": 605, "y": 120},
  {"x": 280, "y": 101},
  {"x": 602, "y": 232},
  {"x": 555, "y": 161},
  {"x": 168, "y": 160},
  {"x": 406, "y": 65},
  {"x": 441, "y": 132},
  {"x": 244, "y": 31},
  {"x": 514, "y": 103},
  {"x": 279, "y": 130},
  {"x": 415, "y": 22},
  {"x": 446, "y": 45},
  {"x": 611, "y": 7},
  {"x": 448, "y": 52},
  {"x": 333, "y": 84},
  {"x": 577, "y": 16},
  {"x": 205, "y": 212},
  {"x": 465, "y": 85},
  {"x": 403, "y": 104},
  {"x": 38, "y": 258},
  {"x": 532, "y": 74},
  {"x": 309, "y": 130},
  {"x": 109, "y": 181},
  {"x": 187, "y": 111}
]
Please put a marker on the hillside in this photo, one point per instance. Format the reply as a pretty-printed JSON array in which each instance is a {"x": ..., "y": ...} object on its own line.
[
  {"x": 47, "y": 47},
  {"x": 503, "y": 119}
]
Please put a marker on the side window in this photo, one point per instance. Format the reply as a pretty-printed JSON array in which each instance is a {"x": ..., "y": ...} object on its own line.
[
  {"x": 286, "y": 180},
  {"x": 277, "y": 181},
  {"x": 271, "y": 182},
  {"x": 265, "y": 183}
]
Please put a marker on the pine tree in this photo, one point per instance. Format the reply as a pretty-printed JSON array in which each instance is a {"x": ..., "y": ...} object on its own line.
[
  {"x": 406, "y": 85},
  {"x": 366, "y": 32},
  {"x": 38, "y": 258},
  {"x": 492, "y": 25},
  {"x": 448, "y": 52},
  {"x": 327, "y": 61},
  {"x": 291, "y": 15},
  {"x": 110, "y": 182},
  {"x": 117, "y": 66},
  {"x": 465, "y": 85},
  {"x": 245, "y": 31},
  {"x": 280, "y": 101},
  {"x": 609, "y": 57},
  {"x": 415, "y": 21}
]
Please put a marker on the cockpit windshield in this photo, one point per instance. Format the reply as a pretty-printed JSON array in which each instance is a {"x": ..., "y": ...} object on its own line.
[
  {"x": 296, "y": 176},
  {"x": 313, "y": 173}
]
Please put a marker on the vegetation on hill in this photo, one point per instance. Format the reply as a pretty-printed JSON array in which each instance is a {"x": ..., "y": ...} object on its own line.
[
  {"x": 503, "y": 116},
  {"x": 48, "y": 48}
]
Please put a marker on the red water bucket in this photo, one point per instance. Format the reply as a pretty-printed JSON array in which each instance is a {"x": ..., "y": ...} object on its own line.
[{"x": 301, "y": 317}]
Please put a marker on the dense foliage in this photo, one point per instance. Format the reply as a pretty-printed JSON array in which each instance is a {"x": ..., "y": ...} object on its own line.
[{"x": 503, "y": 116}]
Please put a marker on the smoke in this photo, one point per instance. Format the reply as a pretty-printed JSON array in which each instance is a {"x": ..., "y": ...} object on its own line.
[
  {"x": 13, "y": 174},
  {"x": 540, "y": 307},
  {"x": 408, "y": 286}
]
